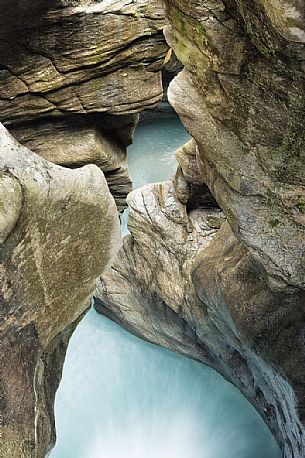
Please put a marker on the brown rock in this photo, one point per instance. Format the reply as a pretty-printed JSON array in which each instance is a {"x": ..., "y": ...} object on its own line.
[
  {"x": 102, "y": 64},
  {"x": 79, "y": 140}
]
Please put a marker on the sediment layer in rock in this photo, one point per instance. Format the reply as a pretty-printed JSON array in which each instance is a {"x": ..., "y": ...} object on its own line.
[
  {"x": 74, "y": 73},
  {"x": 80, "y": 57}
]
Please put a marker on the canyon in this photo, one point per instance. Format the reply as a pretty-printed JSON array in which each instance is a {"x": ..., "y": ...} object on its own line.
[{"x": 214, "y": 264}]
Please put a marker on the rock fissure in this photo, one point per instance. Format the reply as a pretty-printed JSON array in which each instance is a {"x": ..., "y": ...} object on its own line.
[{"x": 214, "y": 264}]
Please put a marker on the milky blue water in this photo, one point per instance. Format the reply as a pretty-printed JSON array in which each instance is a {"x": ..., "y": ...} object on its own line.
[
  {"x": 121, "y": 397},
  {"x": 151, "y": 157}
]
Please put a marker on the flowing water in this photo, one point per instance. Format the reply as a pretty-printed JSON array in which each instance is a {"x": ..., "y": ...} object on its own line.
[{"x": 121, "y": 397}]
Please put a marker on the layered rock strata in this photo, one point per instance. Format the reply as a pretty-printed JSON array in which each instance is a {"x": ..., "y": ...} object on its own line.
[
  {"x": 79, "y": 140},
  {"x": 241, "y": 97},
  {"x": 80, "y": 57},
  {"x": 74, "y": 74}
]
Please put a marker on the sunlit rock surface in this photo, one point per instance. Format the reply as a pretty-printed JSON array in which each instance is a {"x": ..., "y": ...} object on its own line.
[{"x": 59, "y": 229}]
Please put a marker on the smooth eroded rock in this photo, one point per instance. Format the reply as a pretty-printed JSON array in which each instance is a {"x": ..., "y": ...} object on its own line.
[{"x": 61, "y": 230}]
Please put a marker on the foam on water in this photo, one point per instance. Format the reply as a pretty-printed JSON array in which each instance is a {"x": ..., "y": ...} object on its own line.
[{"x": 121, "y": 397}]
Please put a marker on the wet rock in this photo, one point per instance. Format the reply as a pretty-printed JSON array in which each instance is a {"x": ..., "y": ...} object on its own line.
[
  {"x": 180, "y": 282},
  {"x": 187, "y": 159},
  {"x": 10, "y": 204}
]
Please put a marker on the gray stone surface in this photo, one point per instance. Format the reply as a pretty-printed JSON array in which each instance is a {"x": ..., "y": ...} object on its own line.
[
  {"x": 241, "y": 96},
  {"x": 148, "y": 289},
  {"x": 228, "y": 293},
  {"x": 74, "y": 73},
  {"x": 83, "y": 139}
]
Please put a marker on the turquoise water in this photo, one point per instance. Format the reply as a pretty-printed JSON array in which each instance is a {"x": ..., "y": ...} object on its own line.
[
  {"x": 121, "y": 397},
  {"x": 151, "y": 157}
]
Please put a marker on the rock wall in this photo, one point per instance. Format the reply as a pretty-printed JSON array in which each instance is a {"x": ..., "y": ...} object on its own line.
[
  {"x": 73, "y": 77},
  {"x": 80, "y": 57},
  {"x": 233, "y": 299},
  {"x": 247, "y": 79}
]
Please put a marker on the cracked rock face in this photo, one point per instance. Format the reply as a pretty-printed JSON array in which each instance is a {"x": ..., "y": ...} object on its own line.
[
  {"x": 230, "y": 294},
  {"x": 80, "y": 57},
  {"x": 74, "y": 75},
  {"x": 59, "y": 229},
  {"x": 246, "y": 115},
  {"x": 241, "y": 96}
]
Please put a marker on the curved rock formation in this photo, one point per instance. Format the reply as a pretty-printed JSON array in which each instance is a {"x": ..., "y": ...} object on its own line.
[
  {"x": 248, "y": 84},
  {"x": 79, "y": 140},
  {"x": 241, "y": 97},
  {"x": 246, "y": 118},
  {"x": 148, "y": 289},
  {"x": 230, "y": 294},
  {"x": 59, "y": 230}
]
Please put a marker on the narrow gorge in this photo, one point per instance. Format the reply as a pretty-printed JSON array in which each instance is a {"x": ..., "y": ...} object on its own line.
[{"x": 214, "y": 265}]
